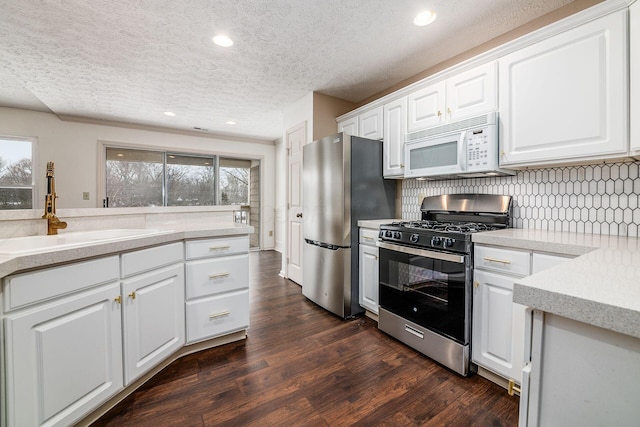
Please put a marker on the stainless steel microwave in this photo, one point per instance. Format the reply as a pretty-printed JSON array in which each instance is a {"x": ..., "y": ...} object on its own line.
[{"x": 468, "y": 148}]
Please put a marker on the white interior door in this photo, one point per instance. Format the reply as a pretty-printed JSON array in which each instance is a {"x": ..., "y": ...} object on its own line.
[{"x": 296, "y": 137}]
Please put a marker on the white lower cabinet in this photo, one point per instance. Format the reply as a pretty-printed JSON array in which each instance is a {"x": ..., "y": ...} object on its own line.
[
  {"x": 498, "y": 325},
  {"x": 368, "y": 279},
  {"x": 153, "y": 318},
  {"x": 578, "y": 374},
  {"x": 217, "y": 287},
  {"x": 63, "y": 358}
]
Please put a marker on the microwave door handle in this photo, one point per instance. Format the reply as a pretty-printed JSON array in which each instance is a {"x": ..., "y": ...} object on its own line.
[{"x": 462, "y": 153}]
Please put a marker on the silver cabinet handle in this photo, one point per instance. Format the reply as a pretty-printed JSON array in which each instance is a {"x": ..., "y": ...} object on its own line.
[
  {"x": 219, "y": 315},
  {"x": 218, "y": 248},
  {"x": 218, "y": 275},
  {"x": 501, "y": 261}
]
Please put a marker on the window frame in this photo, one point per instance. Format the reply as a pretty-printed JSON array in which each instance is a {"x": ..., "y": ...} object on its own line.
[{"x": 36, "y": 202}]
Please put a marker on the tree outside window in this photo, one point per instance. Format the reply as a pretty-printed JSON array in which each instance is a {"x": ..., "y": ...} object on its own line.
[
  {"x": 16, "y": 174},
  {"x": 234, "y": 181}
]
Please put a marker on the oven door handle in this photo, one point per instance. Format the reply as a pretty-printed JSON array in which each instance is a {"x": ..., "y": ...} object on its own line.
[{"x": 444, "y": 256}]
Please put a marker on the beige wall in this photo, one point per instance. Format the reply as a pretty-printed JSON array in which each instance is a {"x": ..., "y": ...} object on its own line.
[
  {"x": 74, "y": 146},
  {"x": 325, "y": 110}
]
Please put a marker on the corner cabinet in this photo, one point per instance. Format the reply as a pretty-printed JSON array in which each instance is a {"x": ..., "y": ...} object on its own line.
[
  {"x": 368, "y": 273},
  {"x": 153, "y": 307},
  {"x": 498, "y": 329},
  {"x": 466, "y": 94},
  {"x": 395, "y": 130},
  {"x": 566, "y": 98}
]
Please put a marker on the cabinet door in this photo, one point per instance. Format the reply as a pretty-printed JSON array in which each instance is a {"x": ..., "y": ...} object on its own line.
[
  {"x": 349, "y": 126},
  {"x": 426, "y": 107},
  {"x": 543, "y": 261},
  {"x": 395, "y": 130},
  {"x": 370, "y": 124},
  {"x": 498, "y": 325},
  {"x": 473, "y": 92},
  {"x": 154, "y": 322},
  {"x": 566, "y": 98},
  {"x": 634, "y": 48},
  {"x": 63, "y": 359},
  {"x": 369, "y": 278}
]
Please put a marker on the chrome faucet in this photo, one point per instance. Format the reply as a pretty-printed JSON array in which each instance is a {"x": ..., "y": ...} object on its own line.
[{"x": 53, "y": 222}]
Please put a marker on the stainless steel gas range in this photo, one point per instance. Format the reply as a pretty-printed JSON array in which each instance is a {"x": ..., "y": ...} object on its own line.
[{"x": 426, "y": 274}]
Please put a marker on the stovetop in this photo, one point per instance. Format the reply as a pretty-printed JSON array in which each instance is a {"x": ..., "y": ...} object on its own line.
[{"x": 449, "y": 236}]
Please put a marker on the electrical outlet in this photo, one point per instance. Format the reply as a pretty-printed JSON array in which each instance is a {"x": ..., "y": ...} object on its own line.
[
  {"x": 85, "y": 195},
  {"x": 420, "y": 197},
  {"x": 270, "y": 233}
]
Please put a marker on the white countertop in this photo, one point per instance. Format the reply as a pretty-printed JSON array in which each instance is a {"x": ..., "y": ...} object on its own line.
[
  {"x": 12, "y": 264},
  {"x": 600, "y": 287}
]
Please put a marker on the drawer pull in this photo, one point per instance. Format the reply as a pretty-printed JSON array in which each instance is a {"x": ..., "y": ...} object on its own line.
[
  {"x": 369, "y": 239},
  {"x": 414, "y": 331},
  {"x": 219, "y": 315},
  {"x": 501, "y": 261},
  {"x": 132, "y": 295},
  {"x": 219, "y": 248},
  {"x": 218, "y": 275}
]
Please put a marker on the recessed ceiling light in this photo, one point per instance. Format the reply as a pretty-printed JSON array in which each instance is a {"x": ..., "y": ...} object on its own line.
[
  {"x": 424, "y": 18},
  {"x": 231, "y": 122},
  {"x": 120, "y": 155},
  {"x": 169, "y": 113},
  {"x": 222, "y": 40}
]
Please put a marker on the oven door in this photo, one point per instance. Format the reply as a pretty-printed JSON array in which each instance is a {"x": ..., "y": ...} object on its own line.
[{"x": 429, "y": 288}]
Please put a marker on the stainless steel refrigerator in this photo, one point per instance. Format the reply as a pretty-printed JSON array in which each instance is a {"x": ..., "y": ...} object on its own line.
[{"x": 342, "y": 184}]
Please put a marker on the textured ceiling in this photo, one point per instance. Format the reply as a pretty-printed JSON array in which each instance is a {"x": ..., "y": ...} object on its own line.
[{"x": 130, "y": 61}]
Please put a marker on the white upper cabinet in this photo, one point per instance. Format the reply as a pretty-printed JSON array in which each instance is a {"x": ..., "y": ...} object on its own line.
[
  {"x": 370, "y": 124},
  {"x": 426, "y": 107},
  {"x": 634, "y": 48},
  {"x": 467, "y": 94},
  {"x": 566, "y": 97},
  {"x": 349, "y": 126},
  {"x": 473, "y": 92},
  {"x": 395, "y": 129}
]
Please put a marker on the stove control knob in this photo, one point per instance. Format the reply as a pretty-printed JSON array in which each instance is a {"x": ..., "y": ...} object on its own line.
[
  {"x": 414, "y": 238},
  {"x": 436, "y": 241},
  {"x": 448, "y": 243},
  {"x": 388, "y": 233},
  {"x": 397, "y": 235},
  {"x": 381, "y": 234}
]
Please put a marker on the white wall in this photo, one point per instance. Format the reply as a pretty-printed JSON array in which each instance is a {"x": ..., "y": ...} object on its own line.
[{"x": 74, "y": 149}]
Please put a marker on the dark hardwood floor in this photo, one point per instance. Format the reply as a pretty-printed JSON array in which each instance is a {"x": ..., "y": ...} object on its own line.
[{"x": 302, "y": 366}]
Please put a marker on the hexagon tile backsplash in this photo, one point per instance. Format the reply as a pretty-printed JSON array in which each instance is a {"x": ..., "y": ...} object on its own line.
[{"x": 598, "y": 199}]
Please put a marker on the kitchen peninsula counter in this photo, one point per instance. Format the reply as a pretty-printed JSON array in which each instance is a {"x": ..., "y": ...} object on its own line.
[
  {"x": 600, "y": 287},
  {"x": 10, "y": 264}
]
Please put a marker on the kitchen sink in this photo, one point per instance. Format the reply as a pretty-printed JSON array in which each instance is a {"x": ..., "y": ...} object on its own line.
[{"x": 34, "y": 244}]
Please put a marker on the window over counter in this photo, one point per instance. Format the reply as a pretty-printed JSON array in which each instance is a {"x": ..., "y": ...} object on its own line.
[
  {"x": 17, "y": 186},
  {"x": 137, "y": 178}
]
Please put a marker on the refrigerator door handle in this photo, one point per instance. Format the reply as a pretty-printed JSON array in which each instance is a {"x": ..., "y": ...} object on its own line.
[{"x": 325, "y": 245}]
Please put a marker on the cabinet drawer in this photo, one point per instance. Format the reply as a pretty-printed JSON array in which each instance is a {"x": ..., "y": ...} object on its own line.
[
  {"x": 150, "y": 259},
  {"x": 217, "y": 247},
  {"x": 217, "y": 275},
  {"x": 29, "y": 288},
  {"x": 368, "y": 236},
  {"x": 504, "y": 260},
  {"x": 217, "y": 315}
]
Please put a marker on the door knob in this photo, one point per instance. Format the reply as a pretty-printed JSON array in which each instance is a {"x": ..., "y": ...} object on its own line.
[{"x": 299, "y": 215}]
